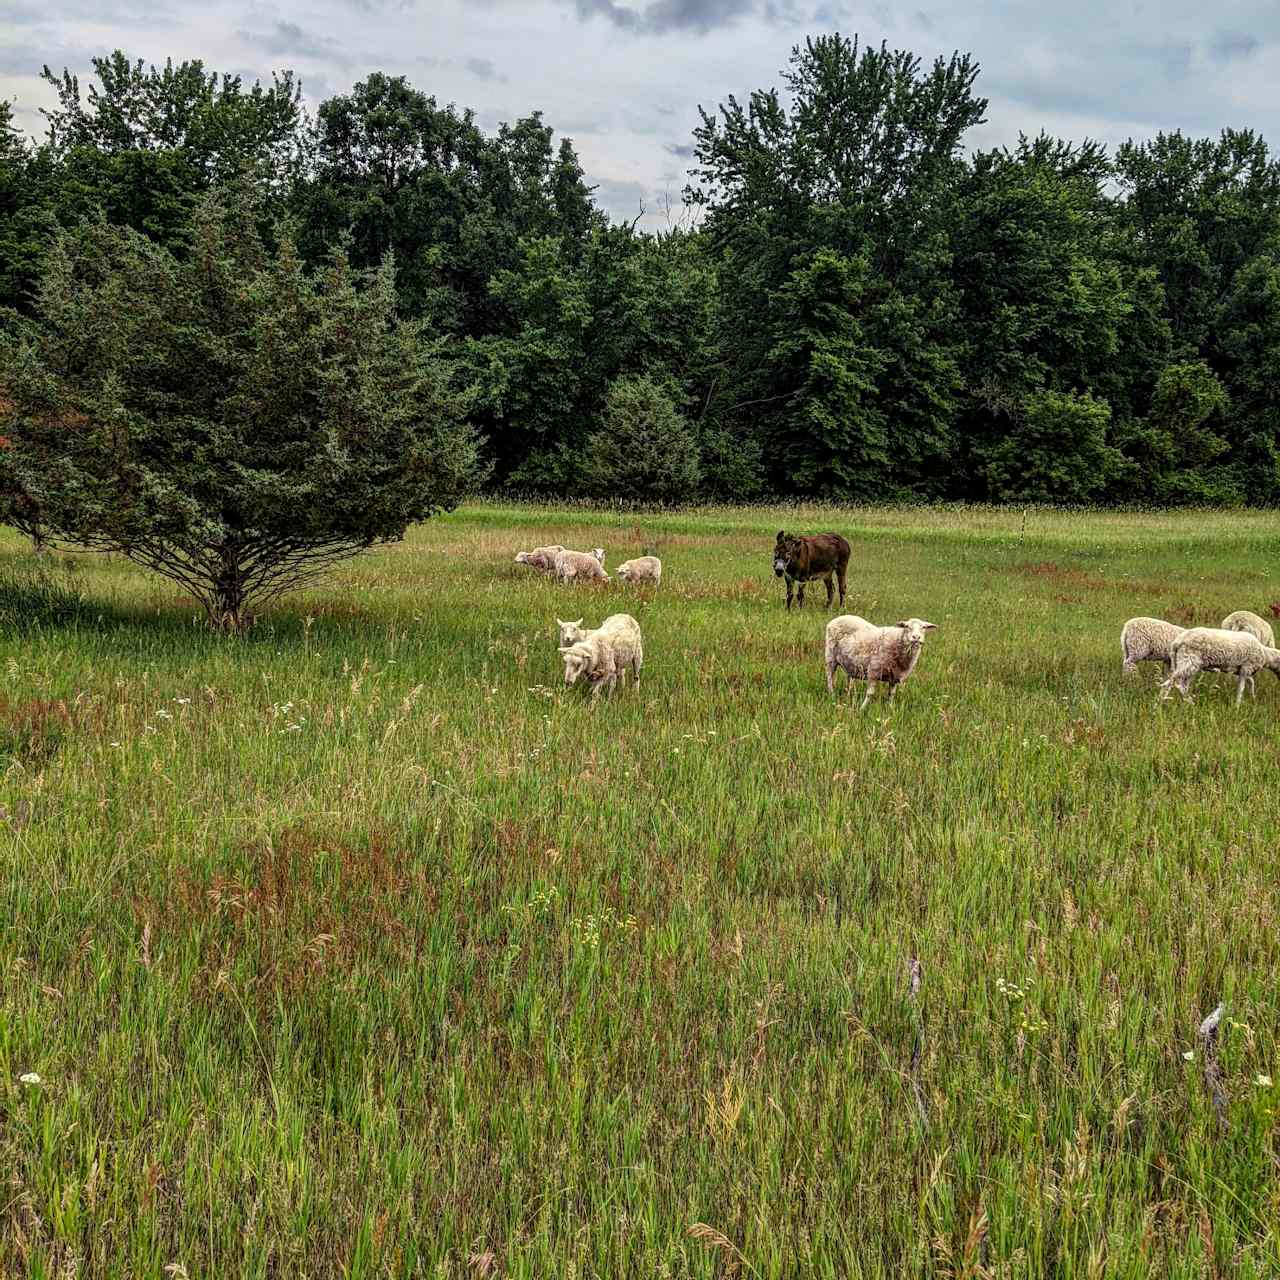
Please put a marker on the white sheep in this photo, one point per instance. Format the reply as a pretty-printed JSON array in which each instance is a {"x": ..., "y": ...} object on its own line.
[
  {"x": 572, "y": 566},
  {"x": 641, "y": 569},
  {"x": 1258, "y": 628},
  {"x": 572, "y": 632},
  {"x": 601, "y": 654},
  {"x": 875, "y": 654},
  {"x": 1213, "y": 649},
  {"x": 1148, "y": 640},
  {"x": 543, "y": 559}
]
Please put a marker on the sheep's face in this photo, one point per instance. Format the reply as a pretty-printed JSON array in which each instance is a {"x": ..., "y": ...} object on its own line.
[
  {"x": 570, "y": 632},
  {"x": 598, "y": 552},
  {"x": 624, "y": 572},
  {"x": 522, "y": 557},
  {"x": 577, "y": 662},
  {"x": 913, "y": 631}
]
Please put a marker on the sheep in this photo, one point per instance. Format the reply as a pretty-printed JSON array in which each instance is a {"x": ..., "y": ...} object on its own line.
[
  {"x": 642, "y": 569},
  {"x": 573, "y": 565},
  {"x": 602, "y": 653},
  {"x": 1251, "y": 624},
  {"x": 874, "y": 654},
  {"x": 1213, "y": 649},
  {"x": 1148, "y": 640},
  {"x": 543, "y": 559},
  {"x": 572, "y": 632}
]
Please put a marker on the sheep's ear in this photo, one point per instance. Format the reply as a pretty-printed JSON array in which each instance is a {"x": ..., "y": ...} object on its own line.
[
  {"x": 903, "y": 623},
  {"x": 930, "y": 626},
  {"x": 561, "y": 623},
  {"x": 576, "y": 624}
]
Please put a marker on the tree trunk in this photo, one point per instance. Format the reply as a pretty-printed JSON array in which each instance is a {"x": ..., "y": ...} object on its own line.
[{"x": 226, "y": 604}]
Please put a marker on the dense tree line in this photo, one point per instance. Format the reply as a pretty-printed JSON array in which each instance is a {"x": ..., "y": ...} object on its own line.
[{"x": 857, "y": 307}]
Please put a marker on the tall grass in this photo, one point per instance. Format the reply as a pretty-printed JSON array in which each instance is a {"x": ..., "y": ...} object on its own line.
[{"x": 359, "y": 946}]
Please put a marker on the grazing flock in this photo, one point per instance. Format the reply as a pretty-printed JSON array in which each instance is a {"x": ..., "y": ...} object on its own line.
[{"x": 1242, "y": 645}]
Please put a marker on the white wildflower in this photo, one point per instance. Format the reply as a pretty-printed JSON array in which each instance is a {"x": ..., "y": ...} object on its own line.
[
  {"x": 1190, "y": 1055},
  {"x": 1263, "y": 1081},
  {"x": 30, "y": 1077}
]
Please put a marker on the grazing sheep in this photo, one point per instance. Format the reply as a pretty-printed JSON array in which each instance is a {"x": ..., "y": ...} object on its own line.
[
  {"x": 641, "y": 569},
  {"x": 875, "y": 654},
  {"x": 1251, "y": 624},
  {"x": 572, "y": 632},
  {"x": 543, "y": 559},
  {"x": 572, "y": 566},
  {"x": 1213, "y": 649},
  {"x": 1148, "y": 640},
  {"x": 602, "y": 653}
]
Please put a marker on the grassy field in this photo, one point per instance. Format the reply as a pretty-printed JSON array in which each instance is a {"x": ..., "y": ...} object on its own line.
[{"x": 360, "y": 947}]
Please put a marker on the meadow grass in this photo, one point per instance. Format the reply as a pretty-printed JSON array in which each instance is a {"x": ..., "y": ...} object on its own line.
[{"x": 359, "y": 946}]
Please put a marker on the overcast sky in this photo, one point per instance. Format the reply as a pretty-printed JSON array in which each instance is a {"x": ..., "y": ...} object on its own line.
[{"x": 624, "y": 78}]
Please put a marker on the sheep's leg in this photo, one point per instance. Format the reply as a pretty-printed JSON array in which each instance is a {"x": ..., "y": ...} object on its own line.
[
  {"x": 1241, "y": 681},
  {"x": 871, "y": 688},
  {"x": 893, "y": 688},
  {"x": 831, "y": 673}
]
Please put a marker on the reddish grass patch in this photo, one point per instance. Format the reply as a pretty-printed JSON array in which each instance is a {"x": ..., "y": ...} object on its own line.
[
  {"x": 33, "y": 731},
  {"x": 310, "y": 905}
]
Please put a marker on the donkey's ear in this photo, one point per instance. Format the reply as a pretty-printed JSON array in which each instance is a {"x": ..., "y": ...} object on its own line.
[{"x": 781, "y": 535}]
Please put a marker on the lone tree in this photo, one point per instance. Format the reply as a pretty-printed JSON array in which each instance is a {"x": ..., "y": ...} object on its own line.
[
  {"x": 224, "y": 417},
  {"x": 645, "y": 450}
]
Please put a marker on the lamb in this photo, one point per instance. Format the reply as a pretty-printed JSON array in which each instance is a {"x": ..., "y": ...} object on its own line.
[
  {"x": 875, "y": 654},
  {"x": 601, "y": 654},
  {"x": 1258, "y": 628},
  {"x": 571, "y": 566},
  {"x": 572, "y": 632},
  {"x": 642, "y": 569},
  {"x": 543, "y": 559},
  {"x": 1213, "y": 649},
  {"x": 1148, "y": 640}
]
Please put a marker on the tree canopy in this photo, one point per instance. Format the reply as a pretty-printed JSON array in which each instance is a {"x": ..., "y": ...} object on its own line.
[
  {"x": 857, "y": 303},
  {"x": 227, "y": 417}
]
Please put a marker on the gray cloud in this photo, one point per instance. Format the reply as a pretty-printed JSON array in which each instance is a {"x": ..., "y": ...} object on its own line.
[
  {"x": 680, "y": 150},
  {"x": 483, "y": 69},
  {"x": 288, "y": 39},
  {"x": 1228, "y": 45},
  {"x": 659, "y": 17},
  {"x": 23, "y": 59},
  {"x": 622, "y": 199}
]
